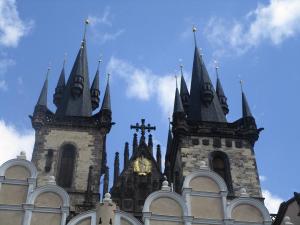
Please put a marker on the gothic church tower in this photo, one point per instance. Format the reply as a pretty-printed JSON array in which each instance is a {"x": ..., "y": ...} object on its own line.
[
  {"x": 70, "y": 143},
  {"x": 201, "y": 132}
]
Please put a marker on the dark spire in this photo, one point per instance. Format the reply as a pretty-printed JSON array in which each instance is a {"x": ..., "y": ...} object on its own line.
[
  {"x": 42, "y": 101},
  {"x": 116, "y": 168},
  {"x": 134, "y": 143},
  {"x": 204, "y": 104},
  {"x": 150, "y": 144},
  {"x": 245, "y": 105},
  {"x": 106, "y": 180},
  {"x": 95, "y": 91},
  {"x": 220, "y": 94},
  {"x": 158, "y": 157},
  {"x": 76, "y": 100},
  {"x": 169, "y": 142},
  {"x": 59, "y": 90},
  {"x": 106, "y": 99},
  {"x": 126, "y": 155},
  {"x": 89, "y": 192},
  {"x": 184, "y": 93},
  {"x": 178, "y": 107}
]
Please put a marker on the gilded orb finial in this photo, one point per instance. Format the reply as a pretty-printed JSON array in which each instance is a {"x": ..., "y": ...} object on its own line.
[
  {"x": 194, "y": 31},
  {"x": 241, "y": 84},
  {"x": 176, "y": 80},
  {"x": 217, "y": 68},
  {"x": 99, "y": 61},
  {"x": 86, "y": 22},
  {"x": 48, "y": 70},
  {"x": 65, "y": 59}
]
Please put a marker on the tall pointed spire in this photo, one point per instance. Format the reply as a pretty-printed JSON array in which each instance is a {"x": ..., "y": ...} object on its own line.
[
  {"x": 42, "y": 100},
  {"x": 106, "y": 105},
  {"x": 178, "y": 106},
  {"x": 150, "y": 143},
  {"x": 76, "y": 100},
  {"x": 245, "y": 105},
  {"x": 59, "y": 90},
  {"x": 204, "y": 104},
  {"x": 184, "y": 93},
  {"x": 158, "y": 157},
  {"x": 134, "y": 143},
  {"x": 95, "y": 92},
  {"x": 168, "y": 151},
  {"x": 220, "y": 92},
  {"x": 106, "y": 180},
  {"x": 126, "y": 155},
  {"x": 116, "y": 168}
]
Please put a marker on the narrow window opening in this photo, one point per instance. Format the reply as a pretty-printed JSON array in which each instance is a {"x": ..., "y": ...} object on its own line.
[
  {"x": 220, "y": 165},
  {"x": 66, "y": 166}
]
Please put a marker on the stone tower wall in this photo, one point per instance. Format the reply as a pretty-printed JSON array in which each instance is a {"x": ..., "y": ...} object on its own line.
[
  {"x": 243, "y": 169},
  {"x": 89, "y": 148}
]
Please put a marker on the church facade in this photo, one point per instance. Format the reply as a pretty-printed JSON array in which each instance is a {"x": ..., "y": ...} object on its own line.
[{"x": 210, "y": 174}]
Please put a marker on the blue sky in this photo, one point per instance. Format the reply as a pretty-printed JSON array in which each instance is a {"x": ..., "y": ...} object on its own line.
[{"x": 141, "y": 44}]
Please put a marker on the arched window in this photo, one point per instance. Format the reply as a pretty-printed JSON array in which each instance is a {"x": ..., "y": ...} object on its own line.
[
  {"x": 67, "y": 161},
  {"x": 219, "y": 163}
]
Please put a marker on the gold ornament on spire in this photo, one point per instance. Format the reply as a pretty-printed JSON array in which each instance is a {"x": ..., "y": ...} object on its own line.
[{"x": 194, "y": 31}]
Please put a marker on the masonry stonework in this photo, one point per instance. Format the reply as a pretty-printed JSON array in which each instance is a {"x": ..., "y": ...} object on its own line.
[
  {"x": 89, "y": 148},
  {"x": 242, "y": 161}
]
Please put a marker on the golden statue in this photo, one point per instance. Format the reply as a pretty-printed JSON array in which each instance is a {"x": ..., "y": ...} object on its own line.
[{"x": 142, "y": 166}]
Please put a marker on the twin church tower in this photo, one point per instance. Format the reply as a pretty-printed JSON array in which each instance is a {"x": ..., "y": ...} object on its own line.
[{"x": 70, "y": 143}]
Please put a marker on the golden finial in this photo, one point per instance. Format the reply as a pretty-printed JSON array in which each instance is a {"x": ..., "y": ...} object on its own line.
[
  {"x": 181, "y": 66},
  {"x": 241, "y": 84},
  {"x": 65, "y": 59},
  {"x": 86, "y": 22},
  {"x": 217, "y": 68},
  {"x": 99, "y": 61},
  {"x": 48, "y": 70},
  {"x": 176, "y": 80},
  {"x": 194, "y": 31}
]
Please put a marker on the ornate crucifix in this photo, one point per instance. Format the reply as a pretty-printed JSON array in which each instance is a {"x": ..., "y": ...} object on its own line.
[{"x": 142, "y": 127}]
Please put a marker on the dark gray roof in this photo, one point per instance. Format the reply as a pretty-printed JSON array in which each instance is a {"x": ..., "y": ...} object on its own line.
[
  {"x": 183, "y": 87},
  {"x": 178, "y": 107},
  {"x": 106, "y": 99},
  {"x": 61, "y": 81},
  {"x": 198, "y": 110},
  {"x": 81, "y": 105},
  {"x": 219, "y": 89},
  {"x": 42, "y": 101},
  {"x": 169, "y": 143},
  {"x": 245, "y": 106},
  {"x": 95, "y": 84}
]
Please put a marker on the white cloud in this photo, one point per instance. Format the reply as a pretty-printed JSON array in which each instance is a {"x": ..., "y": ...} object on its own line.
[
  {"x": 104, "y": 19},
  {"x": 14, "y": 141},
  {"x": 272, "y": 202},
  {"x": 275, "y": 22},
  {"x": 262, "y": 178},
  {"x": 143, "y": 84},
  {"x": 101, "y": 27},
  {"x": 12, "y": 28},
  {"x": 3, "y": 85}
]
